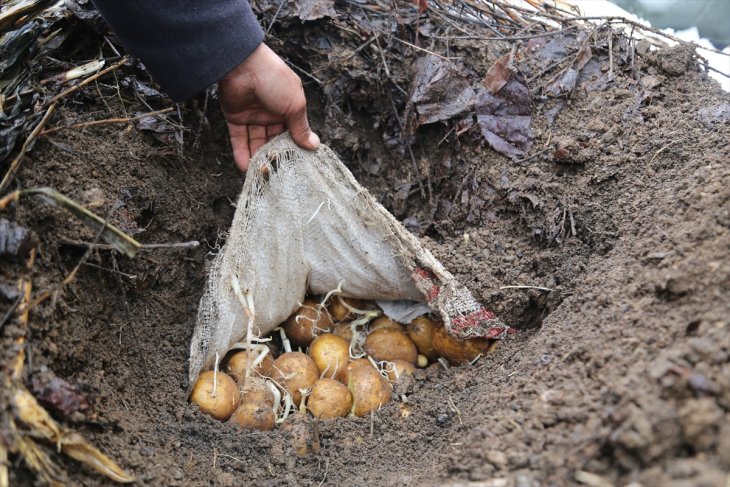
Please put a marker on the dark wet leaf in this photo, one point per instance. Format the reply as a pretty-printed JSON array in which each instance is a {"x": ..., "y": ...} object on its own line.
[
  {"x": 58, "y": 395},
  {"x": 315, "y": 9},
  {"x": 563, "y": 84},
  {"x": 9, "y": 132},
  {"x": 86, "y": 12},
  {"x": 140, "y": 87},
  {"x": 16, "y": 242},
  {"x": 440, "y": 92},
  {"x": 15, "y": 45},
  {"x": 154, "y": 124},
  {"x": 505, "y": 118},
  {"x": 498, "y": 75}
]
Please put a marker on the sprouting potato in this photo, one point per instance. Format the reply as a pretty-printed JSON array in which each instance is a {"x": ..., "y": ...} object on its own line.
[
  {"x": 358, "y": 362},
  {"x": 383, "y": 322},
  {"x": 236, "y": 365},
  {"x": 369, "y": 389},
  {"x": 329, "y": 399},
  {"x": 220, "y": 403},
  {"x": 309, "y": 321},
  {"x": 294, "y": 371},
  {"x": 398, "y": 369},
  {"x": 388, "y": 344},
  {"x": 456, "y": 350},
  {"x": 255, "y": 389},
  {"x": 420, "y": 330},
  {"x": 331, "y": 354},
  {"x": 255, "y": 416}
]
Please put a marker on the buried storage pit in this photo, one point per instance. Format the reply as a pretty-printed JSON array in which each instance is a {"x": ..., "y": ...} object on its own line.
[{"x": 606, "y": 245}]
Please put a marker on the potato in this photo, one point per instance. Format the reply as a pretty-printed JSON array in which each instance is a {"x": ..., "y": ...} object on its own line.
[
  {"x": 399, "y": 369},
  {"x": 339, "y": 311},
  {"x": 331, "y": 354},
  {"x": 298, "y": 430},
  {"x": 388, "y": 344},
  {"x": 294, "y": 371},
  {"x": 420, "y": 330},
  {"x": 369, "y": 389},
  {"x": 383, "y": 323},
  {"x": 255, "y": 416},
  {"x": 329, "y": 399},
  {"x": 344, "y": 330},
  {"x": 306, "y": 323},
  {"x": 422, "y": 361},
  {"x": 256, "y": 390},
  {"x": 226, "y": 398},
  {"x": 236, "y": 365},
  {"x": 358, "y": 362},
  {"x": 456, "y": 350}
]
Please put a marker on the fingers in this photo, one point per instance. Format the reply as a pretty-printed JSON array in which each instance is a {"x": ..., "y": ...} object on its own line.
[
  {"x": 239, "y": 143},
  {"x": 256, "y": 137},
  {"x": 274, "y": 130},
  {"x": 246, "y": 140},
  {"x": 299, "y": 127}
]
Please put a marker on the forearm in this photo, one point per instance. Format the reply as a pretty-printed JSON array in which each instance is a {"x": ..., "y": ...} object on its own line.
[{"x": 187, "y": 45}]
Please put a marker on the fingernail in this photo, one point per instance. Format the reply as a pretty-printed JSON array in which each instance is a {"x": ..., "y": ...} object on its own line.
[{"x": 313, "y": 140}]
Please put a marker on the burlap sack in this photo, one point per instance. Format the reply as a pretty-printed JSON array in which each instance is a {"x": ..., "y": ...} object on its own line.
[{"x": 303, "y": 223}]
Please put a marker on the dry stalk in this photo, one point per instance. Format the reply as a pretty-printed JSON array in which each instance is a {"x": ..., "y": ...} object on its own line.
[{"x": 106, "y": 121}]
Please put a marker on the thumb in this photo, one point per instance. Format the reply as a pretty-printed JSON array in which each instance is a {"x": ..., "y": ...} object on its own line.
[{"x": 298, "y": 126}]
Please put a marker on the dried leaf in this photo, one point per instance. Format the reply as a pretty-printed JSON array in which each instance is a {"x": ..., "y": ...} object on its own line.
[
  {"x": 315, "y": 9},
  {"x": 498, "y": 75},
  {"x": 75, "y": 446},
  {"x": 40, "y": 424},
  {"x": 504, "y": 118},
  {"x": 440, "y": 92},
  {"x": 18, "y": 10}
]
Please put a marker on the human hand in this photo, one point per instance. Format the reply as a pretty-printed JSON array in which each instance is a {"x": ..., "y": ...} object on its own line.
[{"x": 261, "y": 98}]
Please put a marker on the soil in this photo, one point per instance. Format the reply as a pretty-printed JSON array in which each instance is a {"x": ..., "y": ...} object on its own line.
[{"x": 618, "y": 221}]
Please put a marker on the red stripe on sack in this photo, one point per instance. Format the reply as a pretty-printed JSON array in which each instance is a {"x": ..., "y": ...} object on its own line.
[{"x": 427, "y": 277}]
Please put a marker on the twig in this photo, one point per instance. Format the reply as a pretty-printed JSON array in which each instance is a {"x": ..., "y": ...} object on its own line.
[
  {"x": 382, "y": 55},
  {"x": 193, "y": 244},
  {"x": 89, "y": 80},
  {"x": 307, "y": 73},
  {"x": 326, "y": 470},
  {"x": 10, "y": 311},
  {"x": 26, "y": 145},
  {"x": 527, "y": 287},
  {"x": 112, "y": 271},
  {"x": 681, "y": 139},
  {"x": 509, "y": 38},
  {"x": 276, "y": 14},
  {"x": 421, "y": 49},
  {"x": 105, "y": 121},
  {"x": 71, "y": 275}
]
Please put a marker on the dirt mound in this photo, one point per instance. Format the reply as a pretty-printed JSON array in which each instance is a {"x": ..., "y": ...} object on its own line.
[{"x": 607, "y": 244}]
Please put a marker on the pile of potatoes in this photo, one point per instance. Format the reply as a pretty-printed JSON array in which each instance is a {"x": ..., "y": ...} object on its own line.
[{"x": 354, "y": 355}]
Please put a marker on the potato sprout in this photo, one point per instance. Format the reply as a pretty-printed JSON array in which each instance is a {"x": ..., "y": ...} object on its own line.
[{"x": 216, "y": 394}]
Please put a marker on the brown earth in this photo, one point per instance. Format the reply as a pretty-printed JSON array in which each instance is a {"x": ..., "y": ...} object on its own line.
[{"x": 620, "y": 372}]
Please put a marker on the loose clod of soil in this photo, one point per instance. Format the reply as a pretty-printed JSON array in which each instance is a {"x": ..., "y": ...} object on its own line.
[{"x": 607, "y": 245}]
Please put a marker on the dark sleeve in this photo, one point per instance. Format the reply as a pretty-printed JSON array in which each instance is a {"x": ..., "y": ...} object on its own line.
[{"x": 187, "y": 45}]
